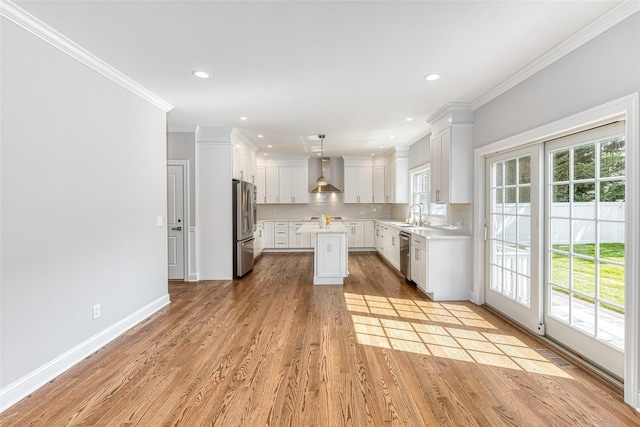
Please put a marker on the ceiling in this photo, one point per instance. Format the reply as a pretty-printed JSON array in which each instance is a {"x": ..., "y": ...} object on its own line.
[{"x": 353, "y": 70}]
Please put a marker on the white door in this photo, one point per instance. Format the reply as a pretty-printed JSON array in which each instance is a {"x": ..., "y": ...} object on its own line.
[
  {"x": 585, "y": 246},
  {"x": 175, "y": 220},
  {"x": 513, "y": 237}
]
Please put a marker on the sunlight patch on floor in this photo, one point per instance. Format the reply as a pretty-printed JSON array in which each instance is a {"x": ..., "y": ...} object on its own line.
[
  {"x": 404, "y": 334},
  {"x": 451, "y": 313}
]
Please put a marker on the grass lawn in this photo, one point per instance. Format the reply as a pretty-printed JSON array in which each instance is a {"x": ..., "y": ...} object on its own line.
[{"x": 584, "y": 270}]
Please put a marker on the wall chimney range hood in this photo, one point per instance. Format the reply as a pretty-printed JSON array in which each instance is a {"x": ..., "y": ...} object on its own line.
[{"x": 326, "y": 174}]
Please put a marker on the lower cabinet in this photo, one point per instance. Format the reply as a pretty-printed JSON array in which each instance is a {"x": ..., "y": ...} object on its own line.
[
  {"x": 258, "y": 235},
  {"x": 441, "y": 268},
  {"x": 419, "y": 262},
  {"x": 298, "y": 240},
  {"x": 268, "y": 236},
  {"x": 281, "y": 234}
]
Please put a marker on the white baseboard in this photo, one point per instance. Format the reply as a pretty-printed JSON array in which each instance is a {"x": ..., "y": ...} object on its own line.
[{"x": 18, "y": 390}]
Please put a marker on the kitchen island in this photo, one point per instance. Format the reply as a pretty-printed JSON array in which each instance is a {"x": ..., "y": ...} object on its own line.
[{"x": 330, "y": 260}]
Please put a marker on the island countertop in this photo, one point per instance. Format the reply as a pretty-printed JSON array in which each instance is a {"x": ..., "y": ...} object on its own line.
[{"x": 314, "y": 228}]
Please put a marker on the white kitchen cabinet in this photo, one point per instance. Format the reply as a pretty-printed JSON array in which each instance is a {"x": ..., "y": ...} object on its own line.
[
  {"x": 281, "y": 234},
  {"x": 271, "y": 184},
  {"x": 293, "y": 184},
  {"x": 243, "y": 165},
  {"x": 378, "y": 184},
  {"x": 392, "y": 249},
  {"x": 381, "y": 238},
  {"x": 442, "y": 270},
  {"x": 397, "y": 181},
  {"x": 297, "y": 240},
  {"x": 452, "y": 164},
  {"x": 268, "y": 235},
  {"x": 419, "y": 262},
  {"x": 261, "y": 197},
  {"x": 358, "y": 184},
  {"x": 355, "y": 233},
  {"x": 369, "y": 240},
  {"x": 258, "y": 235}
]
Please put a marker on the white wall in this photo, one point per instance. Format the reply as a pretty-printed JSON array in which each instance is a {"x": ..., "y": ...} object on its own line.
[
  {"x": 603, "y": 69},
  {"x": 419, "y": 152},
  {"x": 83, "y": 178}
]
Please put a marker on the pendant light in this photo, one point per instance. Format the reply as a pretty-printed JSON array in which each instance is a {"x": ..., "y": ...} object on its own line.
[{"x": 321, "y": 181}]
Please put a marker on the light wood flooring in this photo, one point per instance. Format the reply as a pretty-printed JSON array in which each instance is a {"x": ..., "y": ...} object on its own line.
[{"x": 273, "y": 350}]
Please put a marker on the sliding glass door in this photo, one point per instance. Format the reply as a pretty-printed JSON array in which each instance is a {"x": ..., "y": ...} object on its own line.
[{"x": 585, "y": 245}]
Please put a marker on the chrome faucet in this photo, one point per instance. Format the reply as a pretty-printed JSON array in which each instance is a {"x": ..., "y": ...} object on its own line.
[{"x": 419, "y": 221}]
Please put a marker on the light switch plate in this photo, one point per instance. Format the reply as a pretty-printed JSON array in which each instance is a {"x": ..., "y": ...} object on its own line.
[{"x": 158, "y": 221}]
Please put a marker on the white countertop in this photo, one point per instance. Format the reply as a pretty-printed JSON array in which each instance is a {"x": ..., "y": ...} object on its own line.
[
  {"x": 314, "y": 228},
  {"x": 427, "y": 232}
]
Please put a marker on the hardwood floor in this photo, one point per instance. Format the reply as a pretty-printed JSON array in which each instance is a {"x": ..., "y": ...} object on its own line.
[{"x": 273, "y": 350}]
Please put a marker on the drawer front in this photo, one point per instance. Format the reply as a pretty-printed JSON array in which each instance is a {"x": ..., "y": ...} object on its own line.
[
  {"x": 281, "y": 232},
  {"x": 419, "y": 242},
  {"x": 296, "y": 224},
  {"x": 281, "y": 242},
  {"x": 353, "y": 223},
  {"x": 281, "y": 224}
]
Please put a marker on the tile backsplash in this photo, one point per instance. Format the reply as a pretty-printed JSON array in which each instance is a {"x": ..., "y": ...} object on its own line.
[{"x": 326, "y": 204}]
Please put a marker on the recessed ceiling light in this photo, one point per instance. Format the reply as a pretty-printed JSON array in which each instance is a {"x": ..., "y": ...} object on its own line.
[
  {"x": 243, "y": 118},
  {"x": 432, "y": 77},
  {"x": 201, "y": 74},
  {"x": 408, "y": 119},
  {"x": 264, "y": 154},
  {"x": 269, "y": 146},
  {"x": 382, "y": 146},
  {"x": 260, "y": 136},
  {"x": 391, "y": 136},
  {"x": 373, "y": 154}
]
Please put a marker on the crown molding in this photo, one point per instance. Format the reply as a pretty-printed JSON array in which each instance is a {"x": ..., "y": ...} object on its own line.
[
  {"x": 25, "y": 20},
  {"x": 591, "y": 31}
]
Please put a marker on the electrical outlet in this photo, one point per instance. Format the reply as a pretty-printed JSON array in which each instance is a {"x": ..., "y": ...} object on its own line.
[{"x": 96, "y": 311}]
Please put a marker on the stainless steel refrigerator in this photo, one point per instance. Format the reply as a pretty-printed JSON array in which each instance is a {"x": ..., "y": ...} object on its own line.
[{"x": 244, "y": 224}]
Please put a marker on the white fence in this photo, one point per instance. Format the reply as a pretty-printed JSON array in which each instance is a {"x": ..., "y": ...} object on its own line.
[{"x": 611, "y": 217}]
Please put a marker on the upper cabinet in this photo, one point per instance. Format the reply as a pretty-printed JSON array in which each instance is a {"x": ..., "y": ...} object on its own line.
[
  {"x": 283, "y": 180},
  {"x": 244, "y": 159},
  {"x": 358, "y": 180},
  {"x": 396, "y": 176},
  {"x": 452, "y": 154},
  {"x": 378, "y": 184}
]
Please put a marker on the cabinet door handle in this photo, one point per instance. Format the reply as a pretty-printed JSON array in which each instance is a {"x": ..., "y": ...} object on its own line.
[{"x": 176, "y": 228}]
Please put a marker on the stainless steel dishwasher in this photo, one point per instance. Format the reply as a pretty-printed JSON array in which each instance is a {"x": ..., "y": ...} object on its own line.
[{"x": 405, "y": 255}]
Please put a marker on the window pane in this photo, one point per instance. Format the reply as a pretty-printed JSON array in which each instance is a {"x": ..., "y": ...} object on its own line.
[
  {"x": 560, "y": 233},
  {"x": 496, "y": 174},
  {"x": 560, "y": 269},
  {"x": 510, "y": 172},
  {"x": 611, "y": 283},
  {"x": 496, "y": 226},
  {"x": 612, "y": 191},
  {"x": 524, "y": 170},
  {"x": 561, "y": 193},
  {"x": 584, "y": 276},
  {"x": 510, "y": 228},
  {"x": 524, "y": 288},
  {"x": 559, "y": 302},
  {"x": 524, "y": 230},
  {"x": 524, "y": 260},
  {"x": 584, "y": 232},
  {"x": 560, "y": 166},
  {"x": 611, "y": 241},
  {"x": 612, "y": 157},
  {"x": 496, "y": 200},
  {"x": 583, "y": 314},
  {"x": 584, "y": 162},
  {"x": 584, "y": 192}
]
